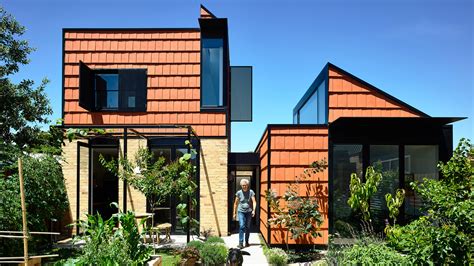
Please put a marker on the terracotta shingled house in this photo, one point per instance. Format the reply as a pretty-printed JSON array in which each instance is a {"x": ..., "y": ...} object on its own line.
[
  {"x": 351, "y": 124},
  {"x": 145, "y": 85},
  {"x": 157, "y": 87}
]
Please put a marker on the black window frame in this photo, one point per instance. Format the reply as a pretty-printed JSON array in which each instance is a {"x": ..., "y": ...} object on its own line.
[
  {"x": 138, "y": 78},
  {"x": 216, "y": 29},
  {"x": 323, "y": 76},
  {"x": 203, "y": 46}
]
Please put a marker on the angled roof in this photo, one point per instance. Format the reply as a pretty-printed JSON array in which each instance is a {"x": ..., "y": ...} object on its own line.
[
  {"x": 377, "y": 90},
  {"x": 324, "y": 75}
]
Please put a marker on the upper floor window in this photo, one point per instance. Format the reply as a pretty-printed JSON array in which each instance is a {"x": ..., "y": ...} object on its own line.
[
  {"x": 212, "y": 72},
  {"x": 314, "y": 109},
  {"x": 112, "y": 89}
]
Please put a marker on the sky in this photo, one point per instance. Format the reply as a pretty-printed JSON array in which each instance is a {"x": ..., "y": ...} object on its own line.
[{"x": 418, "y": 51}]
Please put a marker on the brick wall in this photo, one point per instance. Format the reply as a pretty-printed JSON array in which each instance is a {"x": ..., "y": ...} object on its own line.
[
  {"x": 213, "y": 185},
  {"x": 69, "y": 165}
]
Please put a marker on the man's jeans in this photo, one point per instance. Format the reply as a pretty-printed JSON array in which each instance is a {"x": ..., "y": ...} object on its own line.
[{"x": 244, "y": 226}]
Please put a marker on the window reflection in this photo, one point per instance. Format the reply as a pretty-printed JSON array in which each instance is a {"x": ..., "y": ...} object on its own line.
[
  {"x": 212, "y": 72},
  {"x": 420, "y": 162},
  {"x": 383, "y": 158},
  {"x": 314, "y": 110},
  {"x": 347, "y": 159}
]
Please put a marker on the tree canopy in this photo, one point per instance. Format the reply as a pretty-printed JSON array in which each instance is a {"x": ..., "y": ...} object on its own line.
[{"x": 24, "y": 107}]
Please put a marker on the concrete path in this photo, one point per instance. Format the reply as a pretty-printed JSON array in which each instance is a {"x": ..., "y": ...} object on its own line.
[{"x": 256, "y": 251}]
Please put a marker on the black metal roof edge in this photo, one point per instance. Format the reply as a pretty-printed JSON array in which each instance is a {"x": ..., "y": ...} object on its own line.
[
  {"x": 323, "y": 75},
  {"x": 207, "y": 10},
  {"x": 130, "y": 29},
  {"x": 372, "y": 87},
  {"x": 449, "y": 119}
]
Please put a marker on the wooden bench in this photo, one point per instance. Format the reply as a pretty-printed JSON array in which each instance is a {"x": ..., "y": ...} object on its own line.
[{"x": 165, "y": 228}]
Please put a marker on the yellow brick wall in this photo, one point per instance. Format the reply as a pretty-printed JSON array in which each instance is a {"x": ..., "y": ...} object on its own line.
[
  {"x": 213, "y": 182},
  {"x": 213, "y": 185},
  {"x": 69, "y": 165}
]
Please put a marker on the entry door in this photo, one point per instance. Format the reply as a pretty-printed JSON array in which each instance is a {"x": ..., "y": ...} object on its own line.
[
  {"x": 103, "y": 185},
  {"x": 238, "y": 175},
  {"x": 171, "y": 149}
]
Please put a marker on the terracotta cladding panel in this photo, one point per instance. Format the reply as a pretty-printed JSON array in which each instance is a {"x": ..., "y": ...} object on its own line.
[
  {"x": 352, "y": 99},
  {"x": 129, "y": 35}
]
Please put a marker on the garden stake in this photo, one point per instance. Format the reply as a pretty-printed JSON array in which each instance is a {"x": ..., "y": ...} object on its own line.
[{"x": 23, "y": 212}]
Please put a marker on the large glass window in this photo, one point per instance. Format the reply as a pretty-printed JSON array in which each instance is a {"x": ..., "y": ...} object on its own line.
[
  {"x": 384, "y": 158},
  {"x": 347, "y": 159},
  {"x": 420, "y": 162},
  {"x": 314, "y": 110},
  {"x": 322, "y": 118},
  {"x": 212, "y": 76}
]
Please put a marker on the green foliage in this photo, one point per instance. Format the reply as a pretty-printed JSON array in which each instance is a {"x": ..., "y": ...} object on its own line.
[
  {"x": 158, "y": 180},
  {"x": 394, "y": 203},
  {"x": 451, "y": 199},
  {"x": 23, "y": 107},
  {"x": 360, "y": 193},
  {"x": 195, "y": 244},
  {"x": 75, "y": 133},
  {"x": 276, "y": 256},
  {"x": 445, "y": 234},
  {"x": 366, "y": 251},
  {"x": 301, "y": 215},
  {"x": 45, "y": 196},
  {"x": 214, "y": 239},
  {"x": 214, "y": 253},
  {"x": 105, "y": 244}
]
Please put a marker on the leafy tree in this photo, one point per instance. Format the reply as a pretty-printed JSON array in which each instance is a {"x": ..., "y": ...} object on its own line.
[
  {"x": 301, "y": 214},
  {"x": 45, "y": 195},
  {"x": 158, "y": 180},
  {"x": 361, "y": 192},
  {"x": 23, "y": 106}
]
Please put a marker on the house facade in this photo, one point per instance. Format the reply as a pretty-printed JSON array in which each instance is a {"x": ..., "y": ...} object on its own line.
[
  {"x": 150, "y": 88},
  {"x": 351, "y": 125},
  {"x": 158, "y": 87}
]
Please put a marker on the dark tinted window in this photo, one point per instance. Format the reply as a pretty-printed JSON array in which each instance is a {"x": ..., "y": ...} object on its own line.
[
  {"x": 123, "y": 90},
  {"x": 241, "y": 93},
  {"x": 107, "y": 91},
  {"x": 212, "y": 76}
]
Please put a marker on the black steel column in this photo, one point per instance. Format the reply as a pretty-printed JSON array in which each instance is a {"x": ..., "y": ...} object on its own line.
[
  {"x": 125, "y": 181},
  {"x": 78, "y": 184},
  {"x": 188, "y": 236}
]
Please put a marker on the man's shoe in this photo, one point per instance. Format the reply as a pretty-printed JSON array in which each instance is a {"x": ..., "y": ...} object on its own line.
[
  {"x": 247, "y": 244},
  {"x": 241, "y": 246}
]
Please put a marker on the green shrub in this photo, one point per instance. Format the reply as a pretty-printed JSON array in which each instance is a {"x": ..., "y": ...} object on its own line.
[
  {"x": 446, "y": 234},
  {"x": 215, "y": 239},
  {"x": 106, "y": 245},
  {"x": 195, "y": 244},
  {"x": 214, "y": 253},
  {"x": 45, "y": 196},
  {"x": 372, "y": 254},
  {"x": 277, "y": 256},
  {"x": 366, "y": 251}
]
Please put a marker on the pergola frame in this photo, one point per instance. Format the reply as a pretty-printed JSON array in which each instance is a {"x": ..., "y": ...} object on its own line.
[{"x": 189, "y": 133}]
